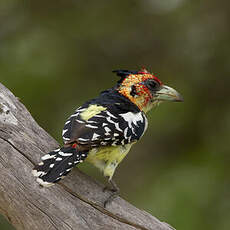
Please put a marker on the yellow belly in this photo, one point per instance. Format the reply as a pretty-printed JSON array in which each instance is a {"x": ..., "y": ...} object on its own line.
[{"x": 108, "y": 158}]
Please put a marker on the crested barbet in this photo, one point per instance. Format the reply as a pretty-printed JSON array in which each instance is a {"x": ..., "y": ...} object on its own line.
[{"x": 103, "y": 130}]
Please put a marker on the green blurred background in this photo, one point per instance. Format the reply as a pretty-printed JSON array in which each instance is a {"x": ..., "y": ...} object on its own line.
[{"x": 54, "y": 55}]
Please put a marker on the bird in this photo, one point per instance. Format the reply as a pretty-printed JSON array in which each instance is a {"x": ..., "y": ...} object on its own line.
[{"x": 103, "y": 130}]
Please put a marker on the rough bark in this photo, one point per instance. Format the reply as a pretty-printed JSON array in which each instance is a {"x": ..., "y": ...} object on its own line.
[{"x": 74, "y": 203}]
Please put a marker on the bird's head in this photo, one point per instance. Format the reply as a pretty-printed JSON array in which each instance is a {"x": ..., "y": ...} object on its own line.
[{"x": 144, "y": 89}]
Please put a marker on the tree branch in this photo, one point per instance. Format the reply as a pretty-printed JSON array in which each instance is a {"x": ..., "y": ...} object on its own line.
[{"x": 75, "y": 203}]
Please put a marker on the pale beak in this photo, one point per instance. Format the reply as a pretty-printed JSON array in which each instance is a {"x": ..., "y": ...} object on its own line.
[{"x": 166, "y": 93}]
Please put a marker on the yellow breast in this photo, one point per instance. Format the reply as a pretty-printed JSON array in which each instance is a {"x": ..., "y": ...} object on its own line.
[{"x": 108, "y": 158}]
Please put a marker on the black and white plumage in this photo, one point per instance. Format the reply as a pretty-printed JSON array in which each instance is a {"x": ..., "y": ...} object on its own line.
[
  {"x": 57, "y": 164},
  {"x": 103, "y": 129},
  {"x": 112, "y": 121},
  {"x": 115, "y": 125}
]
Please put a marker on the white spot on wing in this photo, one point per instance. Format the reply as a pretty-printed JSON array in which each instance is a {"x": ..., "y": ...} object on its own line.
[
  {"x": 47, "y": 156},
  {"x": 146, "y": 124},
  {"x": 98, "y": 116},
  {"x": 109, "y": 120},
  {"x": 74, "y": 115},
  {"x": 117, "y": 127},
  {"x": 37, "y": 173},
  {"x": 79, "y": 121},
  {"x": 95, "y": 136},
  {"x": 107, "y": 129},
  {"x": 132, "y": 119},
  {"x": 91, "y": 126},
  {"x": 44, "y": 183},
  {"x": 65, "y": 154},
  {"x": 115, "y": 143},
  {"x": 67, "y": 122},
  {"x": 66, "y": 138},
  {"x": 110, "y": 114},
  {"x": 64, "y": 131},
  {"x": 126, "y": 132},
  {"x": 91, "y": 121},
  {"x": 80, "y": 109},
  {"x": 82, "y": 139}
]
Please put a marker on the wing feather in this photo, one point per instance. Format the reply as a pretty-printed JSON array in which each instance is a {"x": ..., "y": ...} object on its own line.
[{"x": 105, "y": 128}]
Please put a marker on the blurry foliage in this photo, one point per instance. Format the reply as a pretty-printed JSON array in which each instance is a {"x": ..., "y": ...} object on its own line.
[{"x": 54, "y": 55}]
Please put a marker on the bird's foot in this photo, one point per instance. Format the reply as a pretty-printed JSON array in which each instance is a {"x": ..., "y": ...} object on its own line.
[
  {"x": 115, "y": 192},
  {"x": 111, "y": 198},
  {"x": 108, "y": 188}
]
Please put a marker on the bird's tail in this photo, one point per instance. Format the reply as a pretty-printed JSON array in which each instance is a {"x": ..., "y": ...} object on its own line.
[{"x": 57, "y": 164}]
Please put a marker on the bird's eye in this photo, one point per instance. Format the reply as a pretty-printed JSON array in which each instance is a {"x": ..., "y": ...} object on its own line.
[{"x": 151, "y": 84}]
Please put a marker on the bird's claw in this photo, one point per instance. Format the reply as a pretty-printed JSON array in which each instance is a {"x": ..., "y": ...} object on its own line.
[
  {"x": 107, "y": 188},
  {"x": 115, "y": 192},
  {"x": 111, "y": 198}
]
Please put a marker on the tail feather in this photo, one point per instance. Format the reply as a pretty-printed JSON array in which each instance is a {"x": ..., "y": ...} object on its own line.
[{"x": 57, "y": 164}]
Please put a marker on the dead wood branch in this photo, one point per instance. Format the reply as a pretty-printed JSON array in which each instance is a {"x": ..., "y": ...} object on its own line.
[{"x": 76, "y": 203}]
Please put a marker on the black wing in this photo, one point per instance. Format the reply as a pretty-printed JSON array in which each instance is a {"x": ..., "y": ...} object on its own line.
[{"x": 109, "y": 127}]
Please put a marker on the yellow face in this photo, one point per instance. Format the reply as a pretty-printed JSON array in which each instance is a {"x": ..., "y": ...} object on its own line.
[
  {"x": 145, "y": 90},
  {"x": 135, "y": 88}
]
